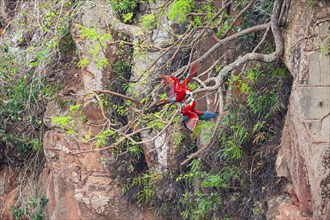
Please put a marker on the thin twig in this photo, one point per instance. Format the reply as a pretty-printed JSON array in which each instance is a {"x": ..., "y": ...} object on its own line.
[
  {"x": 201, "y": 150},
  {"x": 119, "y": 95},
  {"x": 130, "y": 135},
  {"x": 237, "y": 17}
]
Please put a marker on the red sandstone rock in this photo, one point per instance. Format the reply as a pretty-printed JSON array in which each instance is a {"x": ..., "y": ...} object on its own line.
[
  {"x": 290, "y": 212},
  {"x": 305, "y": 147}
]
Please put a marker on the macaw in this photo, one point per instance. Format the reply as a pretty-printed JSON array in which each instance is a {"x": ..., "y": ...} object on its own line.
[
  {"x": 191, "y": 115},
  {"x": 177, "y": 92}
]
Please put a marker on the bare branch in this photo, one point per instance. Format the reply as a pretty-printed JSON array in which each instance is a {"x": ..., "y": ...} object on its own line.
[
  {"x": 237, "y": 17},
  {"x": 257, "y": 56},
  {"x": 201, "y": 150},
  {"x": 128, "y": 136},
  {"x": 262, "y": 40},
  {"x": 248, "y": 57},
  {"x": 111, "y": 146},
  {"x": 232, "y": 37},
  {"x": 210, "y": 88},
  {"x": 226, "y": 41},
  {"x": 119, "y": 95}
]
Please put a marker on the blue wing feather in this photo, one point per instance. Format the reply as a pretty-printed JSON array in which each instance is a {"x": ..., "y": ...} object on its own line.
[{"x": 184, "y": 119}]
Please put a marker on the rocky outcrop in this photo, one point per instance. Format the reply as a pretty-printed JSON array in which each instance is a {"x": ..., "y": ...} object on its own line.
[
  {"x": 304, "y": 157},
  {"x": 7, "y": 189},
  {"x": 158, "y": 152},
  {"x": 80, "y": 186}
]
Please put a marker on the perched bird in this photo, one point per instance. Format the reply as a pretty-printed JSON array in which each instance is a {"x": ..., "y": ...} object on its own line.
[{"x": 177, "y": 92}]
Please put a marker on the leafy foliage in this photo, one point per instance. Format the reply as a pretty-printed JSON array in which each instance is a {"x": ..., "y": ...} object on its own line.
[
  {"x": 206, "y": 7},
  {"x": 125, "y": 8},
  {"x": 66, "y": 122},
  {"x": 23, "y": 86},
  {"x": 33, "y": 209},
  {"x": 179, "y": 10},
  {"x": 103, "y": 136},
  {"x": 127, "y": 17},
  {"x": 21, "y": 104},
  {"x": 148, "y": 21},
  {"x": 102, "y": 38},
  {"x": 208, "y": 185}
]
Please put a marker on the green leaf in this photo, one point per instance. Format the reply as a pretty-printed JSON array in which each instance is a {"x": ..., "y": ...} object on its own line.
[
  {"x": 179, "y": 9},
  {"x": 127, "y": 17},
  {"x": 83, "y": 63},
  {"x": 74, "y": 108},
  {"x": 148, "y": 21}
]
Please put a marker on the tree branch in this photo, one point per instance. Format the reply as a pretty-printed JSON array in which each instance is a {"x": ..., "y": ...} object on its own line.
[
  {"x": 226, "y": 41},
  {"x": 237, "y": 17},
  {"x": 201, "y": 150},
  {"x": 248, "y": 57},
  {"x": 119, "y": 95},
  {"x": 128, "y": 136}
]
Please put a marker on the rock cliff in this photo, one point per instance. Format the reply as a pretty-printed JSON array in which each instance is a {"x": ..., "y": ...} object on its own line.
[
  {"x": 77, "y": 177},
  {"x": 305, "y": 146}
]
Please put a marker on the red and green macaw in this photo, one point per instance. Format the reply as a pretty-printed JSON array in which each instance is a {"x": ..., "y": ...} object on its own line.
[
  {"x": 178, "y": 92},
  {"x": 191, "y": 115}
]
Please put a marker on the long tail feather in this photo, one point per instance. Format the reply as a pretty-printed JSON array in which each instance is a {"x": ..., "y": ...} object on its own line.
[
  {"x": 208, "y": 115},
  {"x": 192, "y": 72},
  {"x": 164, "y": 102}
]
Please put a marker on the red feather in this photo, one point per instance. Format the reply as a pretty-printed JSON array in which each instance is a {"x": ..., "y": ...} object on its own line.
[
  {"x": 180, "y": 95},
  {"x": 192, "y": 72},
  {"x": 172, "y": 83},
  {"x": 192, "y": 120},
  {"x": 192, "y": 108}
]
